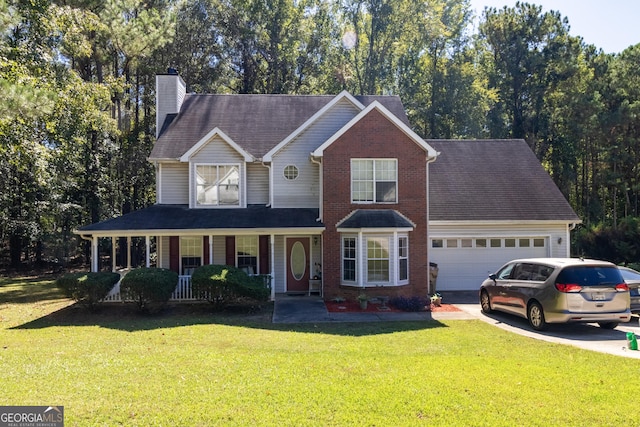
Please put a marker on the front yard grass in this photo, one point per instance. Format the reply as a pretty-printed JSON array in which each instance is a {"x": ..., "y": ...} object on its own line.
[{"x": 191, "y": 367}]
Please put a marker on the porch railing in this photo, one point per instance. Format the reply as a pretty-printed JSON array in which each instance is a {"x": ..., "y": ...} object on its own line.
[{"x": 182, "y": 292}]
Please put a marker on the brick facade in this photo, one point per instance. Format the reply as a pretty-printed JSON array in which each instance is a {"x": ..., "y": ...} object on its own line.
[{"x": 374, "y": 136}]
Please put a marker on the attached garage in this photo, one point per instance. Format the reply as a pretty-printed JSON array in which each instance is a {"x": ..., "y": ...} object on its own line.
[
  {"x": 463, "y": 262},
  {"x": 491, "y": 201}
]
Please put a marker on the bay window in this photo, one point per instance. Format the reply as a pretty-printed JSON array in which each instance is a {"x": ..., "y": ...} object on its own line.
[{"x": 375, "y": 259}]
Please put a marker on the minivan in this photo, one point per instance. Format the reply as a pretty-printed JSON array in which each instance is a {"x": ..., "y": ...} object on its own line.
[{"x": 558, "y": 290}]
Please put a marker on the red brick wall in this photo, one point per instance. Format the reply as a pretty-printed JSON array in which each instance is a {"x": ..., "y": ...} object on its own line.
[{"x": 375, "y": 137}]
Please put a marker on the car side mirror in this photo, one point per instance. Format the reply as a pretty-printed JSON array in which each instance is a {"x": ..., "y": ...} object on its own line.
[{"x": 493, "y": 277}]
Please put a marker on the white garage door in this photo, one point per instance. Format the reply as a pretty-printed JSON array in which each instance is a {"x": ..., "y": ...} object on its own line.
[{"x": 463, "y": 263}]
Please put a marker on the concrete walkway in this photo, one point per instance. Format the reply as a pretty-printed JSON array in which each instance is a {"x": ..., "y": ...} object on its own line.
[{"x": 311, "y": 309}]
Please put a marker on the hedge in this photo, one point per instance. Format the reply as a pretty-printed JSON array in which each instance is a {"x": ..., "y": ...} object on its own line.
[
  {"x": 149, "y": 288},
  {"x": 87, "y": 289},
  {"x": 223, "y": 284}
]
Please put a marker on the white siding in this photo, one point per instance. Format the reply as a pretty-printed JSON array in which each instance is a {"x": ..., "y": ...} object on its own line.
[
  {"x": 173, "y": 184},
  {"x": 462, "y": 268},
  {"x": 257, "y": 184},
  {"x": 305, "y": 190}
]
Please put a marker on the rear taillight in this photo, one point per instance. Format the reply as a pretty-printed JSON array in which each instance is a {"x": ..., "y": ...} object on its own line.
[
  {"x": 622, "y": 287},
  {"x": 569, "y": 287}
]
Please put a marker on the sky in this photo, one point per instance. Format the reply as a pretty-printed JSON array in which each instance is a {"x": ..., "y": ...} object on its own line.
[{"x": 612, "y": 25}]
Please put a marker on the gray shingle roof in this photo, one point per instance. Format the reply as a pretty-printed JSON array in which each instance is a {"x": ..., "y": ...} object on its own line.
[
  {"x": 180, "y": 217},
  {"x": 375, "y": 218},
  {"x": 492, "y": 180},
  {"x": 257, "y": 123}
]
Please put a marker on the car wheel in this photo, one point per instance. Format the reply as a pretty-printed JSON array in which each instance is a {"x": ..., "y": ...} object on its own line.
[
  {"x": 608, "y": 325},
  {"x": 485, "y": 302},
  {"x": 535, "y": 314}
]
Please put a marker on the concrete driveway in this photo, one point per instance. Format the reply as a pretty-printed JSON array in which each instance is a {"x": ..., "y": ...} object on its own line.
[{"x": 587, "y": 336}]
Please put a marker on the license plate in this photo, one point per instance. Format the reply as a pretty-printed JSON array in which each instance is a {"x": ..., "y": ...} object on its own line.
[{"x": 599, "y": 296}]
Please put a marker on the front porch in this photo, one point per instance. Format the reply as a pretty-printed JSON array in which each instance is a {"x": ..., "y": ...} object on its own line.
[{"x": 182, "y": 292}]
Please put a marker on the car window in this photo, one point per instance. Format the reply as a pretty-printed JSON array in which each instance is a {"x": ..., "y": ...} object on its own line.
[
  {"x": 535, "y": 272},
  {"x": 590, "y": 275},
  {"x": 629, "y": 274},
  {"x": 505, "y": 272}
]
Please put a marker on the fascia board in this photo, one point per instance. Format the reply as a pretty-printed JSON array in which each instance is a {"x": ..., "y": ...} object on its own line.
[
  {"x": 201, "y": 232},
  {"x": 268, "y": 157},
  {"x": 207, "y": 138},
  {"x": 374, "y": 230},
  {"x": 431, "y": 153},
  {"x": 505, "y": 222}
]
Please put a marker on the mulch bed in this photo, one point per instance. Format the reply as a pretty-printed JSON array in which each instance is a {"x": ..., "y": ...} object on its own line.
[{"x": 354, "y": 307}]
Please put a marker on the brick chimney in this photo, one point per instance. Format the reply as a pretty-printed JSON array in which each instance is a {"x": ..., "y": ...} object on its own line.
[{"x": 170, "y": 92}]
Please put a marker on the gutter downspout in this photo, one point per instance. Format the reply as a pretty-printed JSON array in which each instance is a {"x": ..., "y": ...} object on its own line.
[
  {"x": 430, "y": 289},
  {"x": 321, "y": 187},
  {"x": 270, "y": 183}
]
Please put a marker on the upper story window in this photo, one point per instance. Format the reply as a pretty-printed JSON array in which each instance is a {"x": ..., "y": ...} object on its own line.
[
  {"x": 374, "y": 180},
  {"x": 218, "y": 185},
  {"x": 290, "y": 172}
]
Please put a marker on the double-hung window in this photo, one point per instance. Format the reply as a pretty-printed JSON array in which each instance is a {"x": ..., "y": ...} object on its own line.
[
  {"x": 247, "y": 253},
  {"x": 190, "y": 254},
  {"x": 217, "y": 185},
  {"x": 374, "y": 180}
]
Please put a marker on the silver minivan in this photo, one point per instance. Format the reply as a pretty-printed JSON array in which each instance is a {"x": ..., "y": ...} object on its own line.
[{"x": 558, "y": 290}]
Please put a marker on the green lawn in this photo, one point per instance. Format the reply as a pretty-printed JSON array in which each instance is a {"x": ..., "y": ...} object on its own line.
[{"x": 194, "y": 368}]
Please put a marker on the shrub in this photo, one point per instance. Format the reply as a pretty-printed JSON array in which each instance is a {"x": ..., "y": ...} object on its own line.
[
  {"x": 149, "y": 288},
  {"x": 87, "y": 289},
  {"x": 410, "y": 304},
  {"x": 223, "y": 284}
]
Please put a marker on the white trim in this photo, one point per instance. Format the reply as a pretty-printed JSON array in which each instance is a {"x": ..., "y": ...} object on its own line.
[
  {"x": 342, "y": 95},
  {"x": 193, "y": 198},
  {"x": 204, "y": 232},
  {"x": 373, "y": 181},
  {"x": 431, "y": 153},
  {"x": 506, "y": 222},
  {"x": 207, "y": 138}
]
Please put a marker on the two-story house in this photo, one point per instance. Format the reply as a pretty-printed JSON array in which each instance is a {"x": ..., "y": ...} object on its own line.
[{"x": 329, "y": 193}]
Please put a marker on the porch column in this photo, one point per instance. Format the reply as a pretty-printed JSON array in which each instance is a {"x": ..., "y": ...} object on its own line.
[
  {"x": 128, "y": 252},
  {"x": 113, "y": 254},
  {"x": 272, "y": 245},
  {"x": 147, "y": 241},
  {"x": 94, "y": 254}
]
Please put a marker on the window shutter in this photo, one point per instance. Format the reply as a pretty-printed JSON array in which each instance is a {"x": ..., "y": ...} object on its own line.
[
  {"x": 263, "y": 249},
  {"x": 174, "y": 254},
  {"x": 230, "y": 247},
  {"x": 205, "y": 250}
]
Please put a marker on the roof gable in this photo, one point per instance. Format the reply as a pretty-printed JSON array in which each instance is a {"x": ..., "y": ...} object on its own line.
[
  {"x": 256, "y": 123},
  {"x": 389, "y": 116},
  {"x": 344, "y": 95},
  {"x": 493, "y": 180},
  {"x": 208, "y": 138}
]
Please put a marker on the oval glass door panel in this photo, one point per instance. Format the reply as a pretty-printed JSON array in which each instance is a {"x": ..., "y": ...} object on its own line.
[{"x": 298, "y": 260}]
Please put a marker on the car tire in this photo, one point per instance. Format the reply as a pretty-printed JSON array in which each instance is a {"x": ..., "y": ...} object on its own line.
[
  {"x": 535, "y": 315},
  {"x": 608, "y": 325},
  {"x": 485, "y": 302}
]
